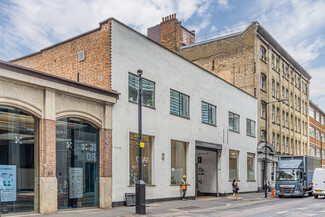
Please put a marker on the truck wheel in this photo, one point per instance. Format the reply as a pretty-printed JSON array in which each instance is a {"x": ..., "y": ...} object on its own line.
[
  {"x": 315, "y": 196},
  {"x": 310, "y": 194}
]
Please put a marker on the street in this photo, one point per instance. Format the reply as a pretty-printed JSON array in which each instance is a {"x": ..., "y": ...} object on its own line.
[{"x": 250, "y": 204}]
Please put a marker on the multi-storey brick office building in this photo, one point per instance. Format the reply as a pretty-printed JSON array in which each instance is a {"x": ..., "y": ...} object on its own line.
[
  {"x": 183, "y": 121},
  {"x": 256, "y": 63},
  {"x": 316, "y": 131}
]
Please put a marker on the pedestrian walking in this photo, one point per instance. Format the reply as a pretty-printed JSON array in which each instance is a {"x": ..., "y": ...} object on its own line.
[
  {"x": 184, "y": 187},
  {"x": 267, "y": 184},
  {"x": 235, "y": 189}
]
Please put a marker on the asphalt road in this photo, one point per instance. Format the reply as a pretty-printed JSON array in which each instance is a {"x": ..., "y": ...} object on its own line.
[{"x": 252, "y": 204}]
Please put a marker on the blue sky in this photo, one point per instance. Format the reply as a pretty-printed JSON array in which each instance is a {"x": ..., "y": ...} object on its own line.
[{"x": 27, "y": 26}]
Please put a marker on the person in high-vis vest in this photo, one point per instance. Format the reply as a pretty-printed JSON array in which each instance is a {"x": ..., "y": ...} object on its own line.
[{"x": 184, "y": 187}]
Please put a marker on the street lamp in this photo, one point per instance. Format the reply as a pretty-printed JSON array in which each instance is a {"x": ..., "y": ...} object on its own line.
[
  {"x": 265, "y": 168},
  {"x": 140, "y": 187}
]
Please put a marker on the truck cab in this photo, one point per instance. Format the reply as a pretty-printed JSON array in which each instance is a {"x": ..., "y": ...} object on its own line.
[{"x": 290, "y": 182}]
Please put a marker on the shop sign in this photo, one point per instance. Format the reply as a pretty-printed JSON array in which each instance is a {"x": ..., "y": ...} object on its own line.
[
  {"x": 8, "y": 183},
  {"x": 75, "y": 182}
]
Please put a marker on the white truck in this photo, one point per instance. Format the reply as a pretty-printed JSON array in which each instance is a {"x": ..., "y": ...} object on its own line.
[{"x": 319, "y": 182}]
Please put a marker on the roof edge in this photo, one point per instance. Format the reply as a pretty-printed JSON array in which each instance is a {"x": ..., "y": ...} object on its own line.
[{"x": 49, "y": 77}]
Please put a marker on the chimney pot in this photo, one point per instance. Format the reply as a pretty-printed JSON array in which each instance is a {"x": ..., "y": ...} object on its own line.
[{"x": 162, "y": 19}]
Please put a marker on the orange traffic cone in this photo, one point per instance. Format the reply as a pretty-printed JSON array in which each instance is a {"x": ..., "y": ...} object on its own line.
[{"x": 272, "y": 194}]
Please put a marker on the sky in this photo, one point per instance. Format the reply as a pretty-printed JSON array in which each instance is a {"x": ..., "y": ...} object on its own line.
[{"x": 26, "y": 26}]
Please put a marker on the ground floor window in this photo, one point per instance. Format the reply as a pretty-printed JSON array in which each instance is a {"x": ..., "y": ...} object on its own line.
[
  {"x": 250, "y": 166},
  {"x": 77, "y": 163},
  {"x": 178, "y": 161},
  {"x": 134, "y": 158},
  {"x": 17, "y": 166},
  {"x": 233, "y": 164}
]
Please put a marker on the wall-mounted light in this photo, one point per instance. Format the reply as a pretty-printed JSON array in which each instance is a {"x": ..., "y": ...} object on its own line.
[{"x": 163, "y": 156}]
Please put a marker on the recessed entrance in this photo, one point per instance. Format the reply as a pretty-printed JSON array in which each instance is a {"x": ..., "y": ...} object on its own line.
[{"x": 206, "y": 155}]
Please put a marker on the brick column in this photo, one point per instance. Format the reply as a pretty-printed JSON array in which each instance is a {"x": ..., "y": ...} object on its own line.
[
  {"x": 47, "y": 157},
  {"x": 105, "y": 168}
]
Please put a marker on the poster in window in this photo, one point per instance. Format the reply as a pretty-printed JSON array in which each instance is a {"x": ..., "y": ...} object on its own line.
[
  {"x": 75, "y": 182},
  {"x": 8, "y": 183}
]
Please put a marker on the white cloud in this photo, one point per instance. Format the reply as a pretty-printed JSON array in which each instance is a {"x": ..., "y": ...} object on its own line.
[
  {"x": 41, "y": 23},
  {"x": 294, "y": 24},
  {"x": 223, "y": 4},
  {"x": 317, "y": 86}
]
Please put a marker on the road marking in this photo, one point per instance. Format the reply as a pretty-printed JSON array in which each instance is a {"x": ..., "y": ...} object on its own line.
[{"x": 282, "y": 212}]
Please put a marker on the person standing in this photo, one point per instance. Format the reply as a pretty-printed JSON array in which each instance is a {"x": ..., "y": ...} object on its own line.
[
  {"x": 184, "y": 187},
  {"x": 235, "y": 189}
]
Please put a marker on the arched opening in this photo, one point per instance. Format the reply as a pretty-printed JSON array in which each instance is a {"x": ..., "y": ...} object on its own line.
[
  {"x": 17, "y": 160},
  {"x": 77, "y": 163}
]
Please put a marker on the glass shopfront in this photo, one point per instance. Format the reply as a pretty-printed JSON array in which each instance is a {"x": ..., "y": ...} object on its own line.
[
  {"x": 17, "y": 164},
  {"x": 77, "y": 163}
]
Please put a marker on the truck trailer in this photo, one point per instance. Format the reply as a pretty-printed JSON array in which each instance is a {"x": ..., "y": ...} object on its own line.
[{"x": 295, "y": 174}]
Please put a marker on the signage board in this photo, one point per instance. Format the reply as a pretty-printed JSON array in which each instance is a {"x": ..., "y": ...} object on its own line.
[
  {"x": 8, "y": 183},
  {"x": 75, "y": 182}
]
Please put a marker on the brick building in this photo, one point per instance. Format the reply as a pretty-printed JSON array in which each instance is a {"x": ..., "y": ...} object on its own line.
[
  {"x": 182, "y": 121},
  {"x": 48, "y": 125},
  {"x": 316, "y": 131},
  {"x": 256, "y": 63}
]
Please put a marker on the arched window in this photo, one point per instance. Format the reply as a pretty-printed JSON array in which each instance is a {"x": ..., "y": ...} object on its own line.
[
  {"x": 263, "y": 82},
  {"x": 77, "y": 163},
  {"x": 17, "y": 165}
]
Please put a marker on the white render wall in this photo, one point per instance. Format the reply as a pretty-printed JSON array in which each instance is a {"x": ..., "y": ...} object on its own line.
[{"x": 132, "y": 51}]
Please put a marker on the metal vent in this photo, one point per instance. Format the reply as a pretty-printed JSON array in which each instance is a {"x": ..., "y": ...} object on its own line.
[{"x": 81, "y": 55}]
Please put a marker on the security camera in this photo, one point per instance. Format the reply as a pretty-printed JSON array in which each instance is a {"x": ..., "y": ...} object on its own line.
[{"x": 139, "y": 72}]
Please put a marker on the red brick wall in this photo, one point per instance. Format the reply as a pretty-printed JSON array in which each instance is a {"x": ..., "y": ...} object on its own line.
[
  {"x": 47, "y": 148},
  {"x": 105, "y": 153},
  {"x": 62, "y": 60}
]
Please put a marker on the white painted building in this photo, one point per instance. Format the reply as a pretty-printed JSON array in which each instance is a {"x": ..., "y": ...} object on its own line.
[{"x": 175, "y": 85}]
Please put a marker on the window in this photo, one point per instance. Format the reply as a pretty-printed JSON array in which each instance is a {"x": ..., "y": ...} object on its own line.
[
  {"x": 263, "y": 53},
  {"x": 250, "y": 166},
  {"x": 291, "y": 99},
  {"x": 146, "y": 158},
  {"x": 317, "y": 117},
  {"x": 208, "y": 113},
  {"x": 234, "y": 122},
  {"x": 233, "y": 164},
  {"x": 311, "y": 131},
  {"x": 291, "y": 147},
  {"x": 287, "y": 102},
  {"x": 273, "y": 87},
  {"x": 277, "y": 67},
  {"x": 263, "y": 82},
  {"x": 273, "y": 61},
  {"x": 277, "y": 141},
  {"x": 250, "y": 127},
  {"x": 323, "y": 120},
  {"x": 295, "y": 102},
  {"x": 148, "y": 91},
  {"x": 317, "y": 135},
  {"x": 299, "y": 128},
  {"x": 283, "y": 92},
  {"x": 277, "y": 115},
  {"x": 291, "y": 75},
  {"x": 311, "y": 112},
  {"x": 283, "y": 118},
  {"x": 296, "y": 124},
  {"x": 283, "y": 143},
  {"x": 263, "y": 135},
  {"x": 305, "y": 108},
  {"x": 179, "y": 104},
  {"x": 282, "y": 70},
  {"x": 291, "y": 122},
  {"x": 277, "y": 90},
  {"x": 299, "y": 104},
  {"x": 287, "y": 72},
  {"x": 178, "y": 161},
  {"x": 287, "y": 145},
  {"x": 287, "y": 119},
  {"x": 273, "y": 139},
  {"x": 263, "y": 108},
  {"x": 306, "y": 128},
  {"x": 273, "y": 113}
]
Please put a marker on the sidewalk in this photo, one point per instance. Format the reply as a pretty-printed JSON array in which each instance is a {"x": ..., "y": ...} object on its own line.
[{"x": 169, "y": 208}]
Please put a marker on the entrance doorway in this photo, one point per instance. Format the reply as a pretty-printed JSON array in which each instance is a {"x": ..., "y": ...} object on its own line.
[{"x": 206, "y": 171}]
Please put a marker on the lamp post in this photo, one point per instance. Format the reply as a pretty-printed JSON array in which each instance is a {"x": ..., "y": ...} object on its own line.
[
  {"x": 265, "y": 152},
  {"x": 140, "y": 187}
]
